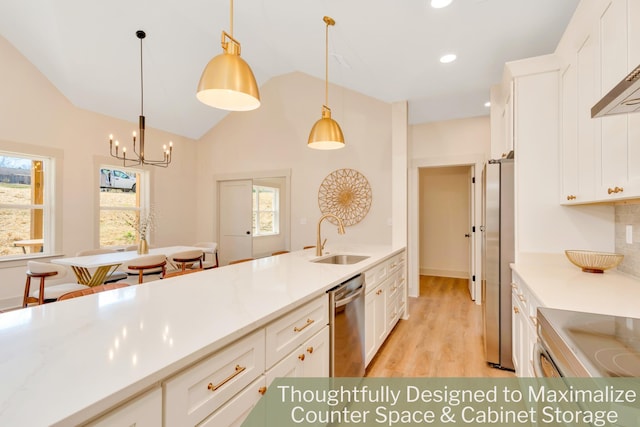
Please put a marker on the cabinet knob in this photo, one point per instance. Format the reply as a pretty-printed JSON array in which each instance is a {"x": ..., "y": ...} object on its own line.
[
  {"x": 301, "y": 357},
  {"x": 615, "y": 189},
  {"x": 262, "y": 390},
  {"x": 571, "y": 197},
  {"x": 310, "y": 350},
  {"x": 515, "y": 310}
]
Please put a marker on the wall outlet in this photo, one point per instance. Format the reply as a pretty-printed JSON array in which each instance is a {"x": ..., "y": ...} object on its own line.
[{"x": 629, "y": 233}]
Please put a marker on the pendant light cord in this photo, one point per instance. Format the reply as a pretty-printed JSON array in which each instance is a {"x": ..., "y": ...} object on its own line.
[
  {"x": 141, "y": 83},
  {"x": 326, "y": 66},
  {"x": 231, "y": 17}
]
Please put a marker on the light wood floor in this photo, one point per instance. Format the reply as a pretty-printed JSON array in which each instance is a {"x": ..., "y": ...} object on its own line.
[{"x": 441, "y": 338}]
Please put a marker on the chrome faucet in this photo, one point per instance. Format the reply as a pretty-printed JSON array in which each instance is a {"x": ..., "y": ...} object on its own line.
[{"x": 319, "y": 244}]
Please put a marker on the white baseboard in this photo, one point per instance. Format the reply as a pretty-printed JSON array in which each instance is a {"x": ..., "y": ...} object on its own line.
[
  {"x": 10, "y": 303},
  {"x": 444, "y": 273}
]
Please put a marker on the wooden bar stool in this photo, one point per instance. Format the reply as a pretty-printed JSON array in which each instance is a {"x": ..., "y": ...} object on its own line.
[
  {"x": 144, "y": 266},
  {"x": 186, "y": 259},
  {"x": 46, "y": 293}
]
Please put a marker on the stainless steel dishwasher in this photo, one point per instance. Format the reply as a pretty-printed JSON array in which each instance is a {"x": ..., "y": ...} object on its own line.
[{"x": 346, "y": 306}]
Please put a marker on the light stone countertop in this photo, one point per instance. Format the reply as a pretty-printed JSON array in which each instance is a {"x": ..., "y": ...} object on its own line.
[
  {"x": 557, "y": 283},
  {"x": 65, "y": 362}
]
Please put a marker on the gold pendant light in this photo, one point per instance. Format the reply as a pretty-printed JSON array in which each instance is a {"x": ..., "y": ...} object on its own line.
[
  {"x": 326, "y": 133},
  {"x": 227, "y": 81}
]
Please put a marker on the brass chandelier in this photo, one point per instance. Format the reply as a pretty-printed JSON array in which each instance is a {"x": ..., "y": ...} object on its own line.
[
  {"x": 227, "y": 81},
  {"x": 326, "y": 133},
  {"x": 139, "y": 157}
]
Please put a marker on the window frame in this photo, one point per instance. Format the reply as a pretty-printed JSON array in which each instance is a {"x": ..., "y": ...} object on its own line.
[
  {"x": 53, "y": 160},
  {"x": 143, "y": 188},
  {"x": 256, "y": 211}
]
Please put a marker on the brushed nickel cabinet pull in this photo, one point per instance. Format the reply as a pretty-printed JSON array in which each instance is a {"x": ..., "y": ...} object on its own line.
[
  {"x": 309, "y": 321},
  {"x": 237, "y": 371},
  {"x": 262, "y": 390}
]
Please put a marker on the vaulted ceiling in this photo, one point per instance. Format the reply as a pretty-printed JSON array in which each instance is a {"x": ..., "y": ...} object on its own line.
[{"x": 386, "y": 49}]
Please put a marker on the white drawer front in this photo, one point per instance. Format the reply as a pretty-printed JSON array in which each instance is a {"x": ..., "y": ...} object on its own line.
[
  {"x": 144, "y": 411},
  {"x": 197, "y": 392},
  {"x": 233, "y": 413},
  {"x": 292, "y": 329},
  {"x": 375, "y": 275}
]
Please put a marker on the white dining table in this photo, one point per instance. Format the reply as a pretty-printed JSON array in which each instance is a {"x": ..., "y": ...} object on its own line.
[{"x": 92, "y": 270}]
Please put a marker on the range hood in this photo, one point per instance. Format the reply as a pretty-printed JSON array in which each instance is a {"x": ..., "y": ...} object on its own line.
[{"x": 623, "y": 98}]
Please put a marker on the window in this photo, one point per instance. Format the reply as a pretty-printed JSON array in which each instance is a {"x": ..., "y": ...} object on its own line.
[
  {"x": 121, "y": 204},
  {"x": 266, "y": 218},
  {"x": 25, "y": 194}
]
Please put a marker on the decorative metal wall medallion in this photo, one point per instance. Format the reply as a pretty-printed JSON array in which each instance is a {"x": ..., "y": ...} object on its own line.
[{"x": 345, "y": 193}]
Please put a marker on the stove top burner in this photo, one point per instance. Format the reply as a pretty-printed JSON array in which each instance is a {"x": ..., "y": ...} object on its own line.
[
  {"x": 609, "y": 355},
  {"x": 607, "y": 346}
]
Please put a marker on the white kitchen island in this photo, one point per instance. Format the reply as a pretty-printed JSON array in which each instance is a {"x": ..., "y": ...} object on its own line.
[{"x": 67, "y": 362}]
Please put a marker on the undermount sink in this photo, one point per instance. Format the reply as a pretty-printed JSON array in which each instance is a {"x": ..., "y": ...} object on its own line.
[{"x": 341, "y": 259}]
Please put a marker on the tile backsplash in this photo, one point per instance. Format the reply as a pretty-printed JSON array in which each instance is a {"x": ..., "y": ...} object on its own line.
[{"x": 628, "y": 214}]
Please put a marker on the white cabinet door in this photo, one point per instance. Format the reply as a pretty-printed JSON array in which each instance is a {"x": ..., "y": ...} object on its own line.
[
  {"x": 569, "y": 136},
  {"x": 316, "y": 355},
  {"x": 369, "y": 326},
  {"x": 613, "y": 68},
  {"x": 311, "y": 359},
  {"x": 517, "y": 334},
  {"x": 588, "y": 93},
  {"x": 375, "y": 314}
]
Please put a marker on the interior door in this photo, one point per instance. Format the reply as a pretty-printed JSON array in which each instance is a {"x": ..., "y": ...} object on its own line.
[
  {"x": 235, "y": 211},
  {"x": 472, "y": 234}
]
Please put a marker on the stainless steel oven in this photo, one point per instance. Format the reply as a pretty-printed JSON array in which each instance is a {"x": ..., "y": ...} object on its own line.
[
  {"x": 577, "y": 344},
  {"x": 346, "y": 305}
]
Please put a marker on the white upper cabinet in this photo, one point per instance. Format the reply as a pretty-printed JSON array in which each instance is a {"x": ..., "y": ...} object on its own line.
[
  {"x": 569, "y": 148},
  {"x": 614, "y": 176},
  {"x": 600, "y": 157}
]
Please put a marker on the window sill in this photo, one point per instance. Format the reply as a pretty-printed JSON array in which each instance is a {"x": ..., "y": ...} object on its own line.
[{"x": 21, "y": 260}]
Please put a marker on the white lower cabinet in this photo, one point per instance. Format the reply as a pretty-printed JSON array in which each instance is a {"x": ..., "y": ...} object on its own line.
[
  {"x": 222, "y": 389},
  {"x": 194, "y": 394},
  {"x": 385, "y": 304},
  {"x": 524, "y": 327},
  {"x": 311, "y": 359},
  {"x": 143, "y": 411},
  {"x": 375, "y": 320}
]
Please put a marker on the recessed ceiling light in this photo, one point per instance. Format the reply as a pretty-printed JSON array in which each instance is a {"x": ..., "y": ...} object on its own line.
[
  {"x": 487, "y": 104},
  {"x": 439, "y": 4},
  {"x": 450, "y": 57}
]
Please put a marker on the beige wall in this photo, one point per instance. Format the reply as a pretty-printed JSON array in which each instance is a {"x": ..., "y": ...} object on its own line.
[
  {"x": 274, "y": 137},
  {"x": 34, "y": 114},
  {"x": 447, "y": 143}
]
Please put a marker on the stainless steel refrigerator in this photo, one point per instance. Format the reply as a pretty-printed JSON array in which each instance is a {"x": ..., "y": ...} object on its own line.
[{"x": 498, "y": 251}]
